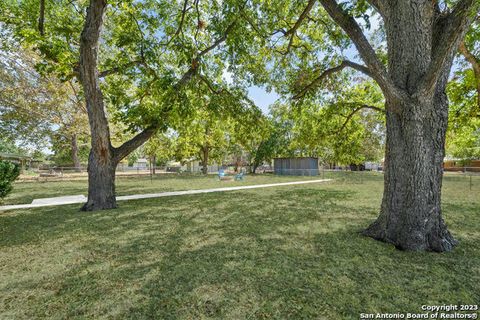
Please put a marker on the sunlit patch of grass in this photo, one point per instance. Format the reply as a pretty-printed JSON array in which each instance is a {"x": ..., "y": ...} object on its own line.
[{"x": 286, "y": 252}]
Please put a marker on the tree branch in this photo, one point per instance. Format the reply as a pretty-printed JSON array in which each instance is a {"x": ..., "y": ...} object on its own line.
[
  {"x": 381, "y": 6},
  {"x": 199, "y": 19},
  {"x": 117, "y": 69},
  {"x": 218, "y": 41},
  {"x": 475, "y": 62},
  {"x": 451, "y": 29},
  {"x": 349, "y": 117},
  {"x": 210, "y": 85},
  {"x": 180, "y": 25},
  {"x": 355, "y": 33},
  {"x": 292, "y": 31},
  {"x": 318, "y": 80},
  {"x": 185, "y": 78},
  {"x": 126, "y": 148},
  {"x": 196, "y": 61}
]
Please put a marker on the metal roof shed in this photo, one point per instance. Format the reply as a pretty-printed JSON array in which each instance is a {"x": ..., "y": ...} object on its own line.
[{"x": 301, "y": 166}]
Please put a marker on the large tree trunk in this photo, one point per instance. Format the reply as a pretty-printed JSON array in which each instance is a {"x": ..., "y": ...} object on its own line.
[
  {"x": 75, "y": 158},
  {"x": 411, "y": 217},
  {"x": 422, "y": 42},
  {"x": 101, "y": 182},
  {"x": 101, "y": 164},
  {"x": 103, "y": 157}
]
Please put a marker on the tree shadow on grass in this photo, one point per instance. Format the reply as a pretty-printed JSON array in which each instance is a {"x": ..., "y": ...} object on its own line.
[{"x": 276, "y": 254}]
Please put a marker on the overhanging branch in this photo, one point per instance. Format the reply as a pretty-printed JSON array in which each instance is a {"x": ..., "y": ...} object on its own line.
[
  {"x": 355, "y": 33},
  {"x": 132, "y": 144},
  {"x": 381, "y": 6},
  {"x": 292, "y": 31},
  {"x": 318, "y": 80},
  {"x": 117, "y": 69},
  {"x": 450, "y": 30},
  {"x": 196, "y": 61},
  {"x": 354, "y": 111},
  {"x": 180, "y": 25},
  {"x": 475, "y": 62}
]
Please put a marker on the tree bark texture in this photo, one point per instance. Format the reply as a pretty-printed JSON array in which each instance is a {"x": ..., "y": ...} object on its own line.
[
  {"x": 101, "y": 167},
  {"x": 103, "y": 157},
  {"x": 411, "y": 215}
]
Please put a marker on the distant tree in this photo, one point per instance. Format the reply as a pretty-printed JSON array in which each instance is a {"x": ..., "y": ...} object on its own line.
[
  {"x": 220, "y": 118},
  {"x": 40, "y": 111},
  {"x": 160, "y": 148},
  {"x": 8, "y": 173},
  {"x": 259, "y": 141},
  {"x": 347, "y": 127},
  {"x": 463, "y": 135},
  {"x": 7, "y": 145}
]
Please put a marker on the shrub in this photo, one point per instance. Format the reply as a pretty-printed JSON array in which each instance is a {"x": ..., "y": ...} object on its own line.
[{"x": 8, "y": 173}]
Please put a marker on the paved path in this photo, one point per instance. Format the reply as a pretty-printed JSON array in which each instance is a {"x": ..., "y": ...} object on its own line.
[{"x": 46, "y": 202}]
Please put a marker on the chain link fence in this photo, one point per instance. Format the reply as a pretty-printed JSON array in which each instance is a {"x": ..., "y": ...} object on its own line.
[
  {"x": 470, "y": 176},
  {"x": 467, "y": 176}
]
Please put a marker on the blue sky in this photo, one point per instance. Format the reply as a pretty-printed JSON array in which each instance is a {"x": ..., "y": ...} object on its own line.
[{"x": 262, "y": 98}]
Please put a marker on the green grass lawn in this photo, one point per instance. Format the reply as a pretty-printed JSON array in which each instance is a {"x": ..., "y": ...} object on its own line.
[
  {"x": 291, "y": 252},
  {"x": 25, "y": 192}
]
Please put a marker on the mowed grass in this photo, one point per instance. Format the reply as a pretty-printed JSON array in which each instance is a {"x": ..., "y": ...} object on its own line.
[
  {"x": 291, "y": 252},
  {"x": 25, "y": 192}
]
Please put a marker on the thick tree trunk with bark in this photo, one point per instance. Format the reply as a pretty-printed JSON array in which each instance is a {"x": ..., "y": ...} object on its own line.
[
  {"x": 411, "y": 215},
  {"x": 101, "y": 167},
  {"x": 101, "y": 182},
  {"x": 103, "y": 158},
  {"x": 422, "y": 41},
  {"x": 75, "y": 158}
]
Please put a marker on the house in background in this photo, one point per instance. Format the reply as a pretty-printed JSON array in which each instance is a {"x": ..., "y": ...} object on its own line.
[
  {"x": 141, "y": 164},
  {"x": 461, "y": 165}
]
